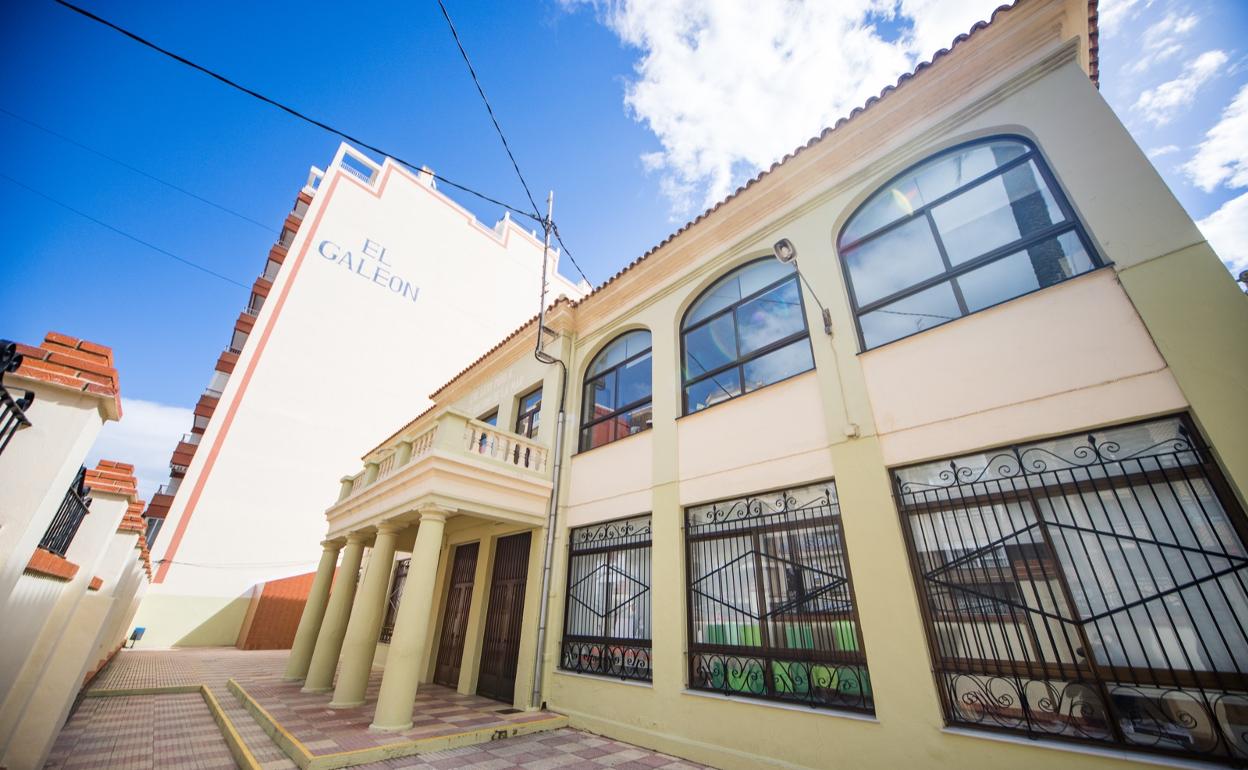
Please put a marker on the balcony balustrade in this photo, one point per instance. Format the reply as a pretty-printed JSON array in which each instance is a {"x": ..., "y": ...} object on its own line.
[{"x": 74, "y": 508}]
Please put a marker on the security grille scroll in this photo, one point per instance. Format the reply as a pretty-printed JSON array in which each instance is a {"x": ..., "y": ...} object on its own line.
[
  {"x": 1090, "y": 588},
  {"x": 771, "y": 601},
  {"x": 607, "y": 615}
]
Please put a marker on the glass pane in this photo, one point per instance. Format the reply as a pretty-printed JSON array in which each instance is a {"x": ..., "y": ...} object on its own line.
[
  {"x": 930, "y": 307},
  {"x": 770, "y": 317},
  {"x": 998, "y": 212},
  {"x": 777, "y": 365},
  {"x": 732, "y": 287},
  {"x": 927, "y": 183},
  {"x": 1043, "y": 264},
  {"x": 531, "y": 401},
  {"x": 599, "y": 397},
  {"x": 635, "y": 342},
  {"x": 598, "y": 434},
  {"x": 724, "y": 607},
  {"x": 712, "y": 390},
  {"x": 491, "y": 418},
  {"x": 710, "y": 346},
  {"x": 634, "y": 381},
  {"x": 634, "y": 421},
  {"x": 894, "y": 261}
]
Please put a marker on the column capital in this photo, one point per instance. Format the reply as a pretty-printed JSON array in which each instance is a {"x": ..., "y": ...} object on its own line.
[
  {"x": 434, "y": 513},
  {"x": 332, "y": 544},
  {"x": 356, "y": 537},
  {"x": 391, "y": 527}
]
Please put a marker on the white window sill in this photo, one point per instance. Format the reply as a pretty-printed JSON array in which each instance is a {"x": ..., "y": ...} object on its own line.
[
  {"x": 1077, "y": 748},
  {"x": 603, "y": 678},
  {"x": 771, "y": 704}
]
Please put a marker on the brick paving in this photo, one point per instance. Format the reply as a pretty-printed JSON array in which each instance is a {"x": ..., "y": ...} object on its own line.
[
  {"x": 171, "y": 731},
  {"x": 141, "y": 732}
]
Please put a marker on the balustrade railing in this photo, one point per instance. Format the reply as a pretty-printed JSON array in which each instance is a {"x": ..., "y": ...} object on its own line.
[
  {"x": 12, "y": 410},
  {"x": 486, "y": 440},
  {"x": 74, "y": 507}
]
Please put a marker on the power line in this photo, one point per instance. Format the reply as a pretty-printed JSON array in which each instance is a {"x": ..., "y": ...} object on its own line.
[
  {"x": 291, "y": 111},
  {"x": 122, "y": 233},
  {"x": 141, "y": 172},
  {"x": 477, "y": 82}
]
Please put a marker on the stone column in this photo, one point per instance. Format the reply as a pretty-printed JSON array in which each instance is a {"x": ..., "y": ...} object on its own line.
[
  {"x": 329, "y": 641},
  {"x": 411, "y": 627},
  {"x": 313, "y": 613},
  {"x": 360, "y": 645}
]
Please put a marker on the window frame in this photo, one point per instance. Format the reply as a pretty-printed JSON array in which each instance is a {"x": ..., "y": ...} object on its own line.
[
  {"x": 740, "y": 361},
  {"x": 1005, "y": 478},
  {"x": 755, "y": 516},
  {"x": 531, "y": 414},
  {"x": 1071, "y": 223},
  {"x": 586, "y": 425},
  {"x": 627, "y": 540}
]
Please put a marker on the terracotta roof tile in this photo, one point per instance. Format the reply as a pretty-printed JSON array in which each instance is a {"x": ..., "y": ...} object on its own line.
[{"x": 115, "y": 478}]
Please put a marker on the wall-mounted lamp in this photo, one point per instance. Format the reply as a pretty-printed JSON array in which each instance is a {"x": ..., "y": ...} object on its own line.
[{"x": 786, "y": 252}]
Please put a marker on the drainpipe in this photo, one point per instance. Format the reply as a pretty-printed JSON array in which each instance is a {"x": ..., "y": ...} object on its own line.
[{"x": 552, "y": 513}]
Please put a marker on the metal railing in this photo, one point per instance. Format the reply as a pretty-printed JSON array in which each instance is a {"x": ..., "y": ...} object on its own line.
[
  {"x": 606, "y": 623},
  {"x": 772, "y": 612},
  {"x": 12, "y": 410},
  {"x": 74, "y": 508},
  {"x": 169, "y": 488},
  {"x": 1088, "y": 588}
]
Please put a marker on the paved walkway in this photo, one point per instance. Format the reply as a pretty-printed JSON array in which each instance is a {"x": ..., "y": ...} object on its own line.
[{"x": 171, "y": 731}]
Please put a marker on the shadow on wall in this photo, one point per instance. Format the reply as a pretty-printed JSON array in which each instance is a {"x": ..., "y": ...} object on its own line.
[
  {"x": 220, "y": 629},
  {"x": 274, "y": 612}
]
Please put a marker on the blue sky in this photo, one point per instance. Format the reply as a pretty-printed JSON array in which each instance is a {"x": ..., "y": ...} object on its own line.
[{"x": 609, "y": 104}]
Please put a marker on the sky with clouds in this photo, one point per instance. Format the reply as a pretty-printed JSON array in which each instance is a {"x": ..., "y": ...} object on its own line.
[{"x": 641, "y": 113}]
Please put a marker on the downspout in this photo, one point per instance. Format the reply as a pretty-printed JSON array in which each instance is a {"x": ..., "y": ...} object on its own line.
[{"x": 552, "y": 513}]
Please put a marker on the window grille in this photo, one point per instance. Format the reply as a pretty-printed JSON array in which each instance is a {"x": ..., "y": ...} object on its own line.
[
  {"x": 392, "y": 603},
  {"x": 606, "y": 627},
  {"x": 75, "y": 505},
  {"x": 1090, "y": 588},
  {"x": 771, "y": 602}
]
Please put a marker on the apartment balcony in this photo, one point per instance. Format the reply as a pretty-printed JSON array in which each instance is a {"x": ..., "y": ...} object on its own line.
[
  {"x": 207, "y": 404},
  {"x": 185, "y": 450},
  {"x": 456, "y": 463},
  {"x": 227, "y": 361}
]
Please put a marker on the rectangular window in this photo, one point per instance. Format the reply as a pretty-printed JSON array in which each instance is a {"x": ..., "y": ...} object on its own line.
[
  {"x": 771, "y": 602},
  {"x": 153, "y": 529},
  {"x": 529, "y": 413},
  {"x": 1090, "y": 588},
  {"x": 606, "y": 627},
  {"x": 392, "y": 603}
]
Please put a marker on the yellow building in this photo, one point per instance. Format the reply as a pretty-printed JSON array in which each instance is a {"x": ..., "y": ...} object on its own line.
[{"x": 968, "y": 490}]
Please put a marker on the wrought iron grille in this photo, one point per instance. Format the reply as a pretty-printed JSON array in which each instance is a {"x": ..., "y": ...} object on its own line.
[
  {"x": 606, "y": 626},
  {"x": 12, "y": 410},
  {"x": 1090, "y": 588},
  {"x": 771, "y": 602},
  {"x": 74, "y": 508},
  {"x": 392, "y": 603}
]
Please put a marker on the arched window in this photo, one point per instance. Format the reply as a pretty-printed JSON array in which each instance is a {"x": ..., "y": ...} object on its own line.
[
  {"x": 974, "y": 226},
  {"x": 617, "y": 392},
  {"x": 746, "y": 331}
]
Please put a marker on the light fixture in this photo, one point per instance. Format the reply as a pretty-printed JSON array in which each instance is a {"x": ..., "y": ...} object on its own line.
[{"x": 786, "y": 252}]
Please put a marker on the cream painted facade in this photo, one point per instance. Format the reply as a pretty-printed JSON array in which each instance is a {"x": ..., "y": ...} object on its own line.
[
  {"x": 388, "y": 288},
  {"x": 65, "y": 613},
  {"x": 1155, "y": 332}
]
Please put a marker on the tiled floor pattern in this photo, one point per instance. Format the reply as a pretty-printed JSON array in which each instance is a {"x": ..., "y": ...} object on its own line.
[
  {"x": 141, "y": 732},
  {"x": 258, "y": 670},
  {"x": 438, "y": 711}
]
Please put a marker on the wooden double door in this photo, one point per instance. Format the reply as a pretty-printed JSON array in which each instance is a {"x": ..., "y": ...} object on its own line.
[
  {"x": 455, "y": 616},
  {"x": 504, "y": 615}
]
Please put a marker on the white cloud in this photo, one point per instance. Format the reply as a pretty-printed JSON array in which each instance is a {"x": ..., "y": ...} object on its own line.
[
  {"x": 1159, "y": 105},
  {"x": 1160, "y": 41},
  {"x": 1112, "y": 14},
  {"x": 1222, "y": 158},
  {"x": 729, "y": 86},
  {"x": 1227, "y": 231},
  {"x": 145, "y": 437},
  {"x": 1166, "y": 149}
]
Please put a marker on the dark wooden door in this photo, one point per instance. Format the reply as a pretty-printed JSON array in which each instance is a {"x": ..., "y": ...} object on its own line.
[
  {"x": 455, "y": 616},
  {"x": 501, "y": 649}
]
